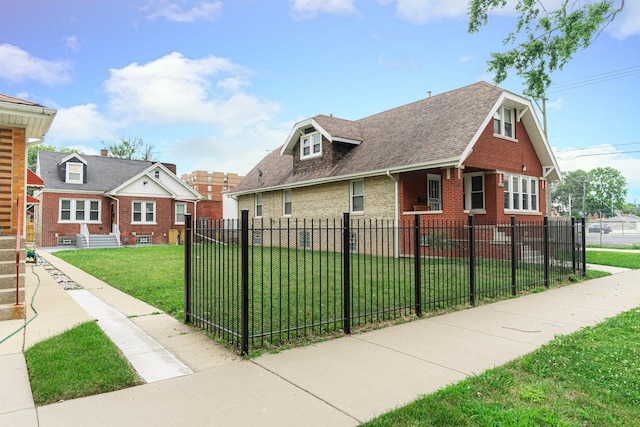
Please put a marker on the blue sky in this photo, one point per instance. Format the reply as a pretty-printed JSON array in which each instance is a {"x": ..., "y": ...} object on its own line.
[{"x": 215, "y": 85}]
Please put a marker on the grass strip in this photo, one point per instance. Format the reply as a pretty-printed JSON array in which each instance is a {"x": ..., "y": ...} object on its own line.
[
  {"x": 589, "y": 378},
  {"x": 80, "y": 362}
]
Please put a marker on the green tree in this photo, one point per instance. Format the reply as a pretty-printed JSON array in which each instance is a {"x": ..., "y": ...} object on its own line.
[
  {"x": 130, "y": 148},
  {"x": 570, "y": 193},
  {"x": 32, "y": 153},
  {"x": 607, "y": 191},
  {"x": 545, "y": 40}
]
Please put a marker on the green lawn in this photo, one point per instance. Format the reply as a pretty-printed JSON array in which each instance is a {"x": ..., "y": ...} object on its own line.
[
  {"x": 80, "y": 362},
  {"x": 616, "y": 259},
  {"x": 296, "y": 290},
  {"x": 589, "y": 378},
  {"x": 154, "y": 274}
]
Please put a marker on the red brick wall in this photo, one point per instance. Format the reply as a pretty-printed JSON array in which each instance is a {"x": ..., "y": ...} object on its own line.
[
  {"x": 491, "y": 153},
  {"x": 210, "y": 209},
  {"x": 165, "y": 217}
]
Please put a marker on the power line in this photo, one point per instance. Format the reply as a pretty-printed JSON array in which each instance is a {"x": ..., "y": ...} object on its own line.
[{"x": 594, "y": 79}]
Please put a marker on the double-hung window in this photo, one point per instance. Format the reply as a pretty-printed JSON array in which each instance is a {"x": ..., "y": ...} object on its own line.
[
  {"x": 181, "y": 209},
  {"x": 144, "y": 212},
  {"x": 310, "y": 145},
  {"x": 520, "y": 193},
  {"x": 473, "y": 191},
  {"x": 503, "y": 122},
  {"x": 357, "y": 196},
  {"x": 434, "y": 192},
  {"x": 258, "y": 205},
  {"x": 74, "y": 173},
  {"x": 286, "y": 202},
  {"x": 77, "y": 210}
]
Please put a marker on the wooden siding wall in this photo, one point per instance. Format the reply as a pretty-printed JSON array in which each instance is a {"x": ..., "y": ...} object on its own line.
[{"x": 12, "y": 176}]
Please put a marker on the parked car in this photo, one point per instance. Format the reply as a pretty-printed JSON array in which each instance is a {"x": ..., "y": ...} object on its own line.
[{"x": 595, "y": 228}]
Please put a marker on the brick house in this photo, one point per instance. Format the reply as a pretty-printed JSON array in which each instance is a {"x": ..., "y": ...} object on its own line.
[
  {"x": 475, "y": 150},
  {"x": 98, "y": 201},
  {"x": 21, "y": 123}
]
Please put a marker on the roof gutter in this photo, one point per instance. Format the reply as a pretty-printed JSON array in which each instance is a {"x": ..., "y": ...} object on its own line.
[{"x": 453, "y": 162}]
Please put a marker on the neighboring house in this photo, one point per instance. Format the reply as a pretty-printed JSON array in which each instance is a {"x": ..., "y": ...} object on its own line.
[
  {"x": 21, "y": 123},
  {"x": 93, "y": 201},
  {"x": 475, "y": 150}
]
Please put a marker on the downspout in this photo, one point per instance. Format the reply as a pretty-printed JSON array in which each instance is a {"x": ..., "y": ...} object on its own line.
[
  {"x": 396, "y": 231},
  {"x": 117, "y": 215}
]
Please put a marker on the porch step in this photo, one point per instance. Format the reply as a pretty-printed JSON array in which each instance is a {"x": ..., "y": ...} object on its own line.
[
  {"x": 8, "y": 296},
  {"x": 8, "y": 281},
  {"x": 9, "y": 267},
  {"x": 11, "y": 311},
  {"x": 98, "y": 241}
]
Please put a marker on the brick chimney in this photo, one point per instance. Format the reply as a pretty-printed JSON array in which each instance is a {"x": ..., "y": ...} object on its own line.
[{"x": 104, "y": 152}]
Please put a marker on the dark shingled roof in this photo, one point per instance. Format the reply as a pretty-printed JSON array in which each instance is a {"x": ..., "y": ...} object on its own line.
[
  {"x": 103, "y": 173},
  {"x": 438, "y": 128},
  {"x": 12, "y": 100}
]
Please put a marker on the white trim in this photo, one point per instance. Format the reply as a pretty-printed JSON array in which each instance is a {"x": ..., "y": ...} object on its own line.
[
  {"x": 71, "y": 156},
  {"x": 361, "y": 175},
  {"x": 284, "y": 202},
  {"x": 67, "y": 172},
  {"x": 255, "y": 205},
  {"x": 352, "y": 195},
  {"x": 467, "y": 192},
  {"x": 311, "y": 136},
  {"x": 175, "y": 217},
  {"x": 73, "y": 212},
  {"x": 143, "y": 212}
]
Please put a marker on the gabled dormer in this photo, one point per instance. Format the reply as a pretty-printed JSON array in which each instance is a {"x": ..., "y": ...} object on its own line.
[
  {"x": 73, "y": 169},
  {"x": 321, "y": 142}
]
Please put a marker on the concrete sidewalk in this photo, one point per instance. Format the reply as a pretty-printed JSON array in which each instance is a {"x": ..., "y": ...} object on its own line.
[{"x": 341, "y": 382}]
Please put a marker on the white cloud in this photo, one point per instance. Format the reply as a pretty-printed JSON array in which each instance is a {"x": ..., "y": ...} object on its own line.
[
  {"x": 80, "y": 123},
  {"x": 423, "y": 11},
  {"x": 556, "y": 104},
  {"x": 570, "y": 159},
  {"x": 172, "y": 11},
  {"x": 17, "y": 65},
  {"x": 72, "y": 43},
  {"x": 627, "y": 22},
  {"x": 307, "y": 9},
  {"x": 175, "y": 89}
]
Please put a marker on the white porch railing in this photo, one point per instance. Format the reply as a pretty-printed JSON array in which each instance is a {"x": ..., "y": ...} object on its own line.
[
  {"x": 116, "y": 232},
  {"x": 84, "y": 230}
]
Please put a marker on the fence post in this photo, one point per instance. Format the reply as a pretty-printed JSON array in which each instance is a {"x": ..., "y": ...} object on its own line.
[
  {"x": 187, "y": 267},
  {"x": 546, "y": 251},
  {"x": 514, "y": 259},
  {"x": 244, "y": 293},
  {"x": 584, "y": 247},
  {"x": 417, "y": 264},
  {"x": 346, "y": 274},
  {"x": 472, "y": 261},
  {"x": 573, "y": 245}
]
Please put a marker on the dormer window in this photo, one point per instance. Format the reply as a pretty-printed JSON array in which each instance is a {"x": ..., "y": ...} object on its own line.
[
  {"x": 311, "y": 145},
  {"x": 503, "y": 123},
  {"x": 74, "y": 173}
]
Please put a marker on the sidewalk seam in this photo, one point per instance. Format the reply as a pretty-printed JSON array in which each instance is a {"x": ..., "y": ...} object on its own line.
[{"x": 307, "y": 392}]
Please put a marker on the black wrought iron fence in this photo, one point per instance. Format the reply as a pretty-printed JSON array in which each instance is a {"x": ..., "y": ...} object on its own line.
[{"x": 262, "y": 283}]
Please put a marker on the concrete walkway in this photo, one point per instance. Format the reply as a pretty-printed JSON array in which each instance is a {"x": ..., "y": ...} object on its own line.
[{"x": 341, "y": 382}]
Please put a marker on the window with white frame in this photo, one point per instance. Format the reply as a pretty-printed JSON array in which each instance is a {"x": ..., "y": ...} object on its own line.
[
  {"x": 181, "y": 209},
  {"x": 473, "y": 191},
  {"x": 503, "y": 122},
  {"x": 353, "y": 242},
  {"x": 434, "y": 192},
  {"x": 258, "y": 204},
  {"x": 286, "y": 202},
  {"x": 357, "y": 196},
  {"x": 520, "y": 193},
  {"x": 311, "y": 145},
  {"x": 77, "y": 210},
  {"x": 143, "y": 212},
  {"x": 74, "y": 173}
]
